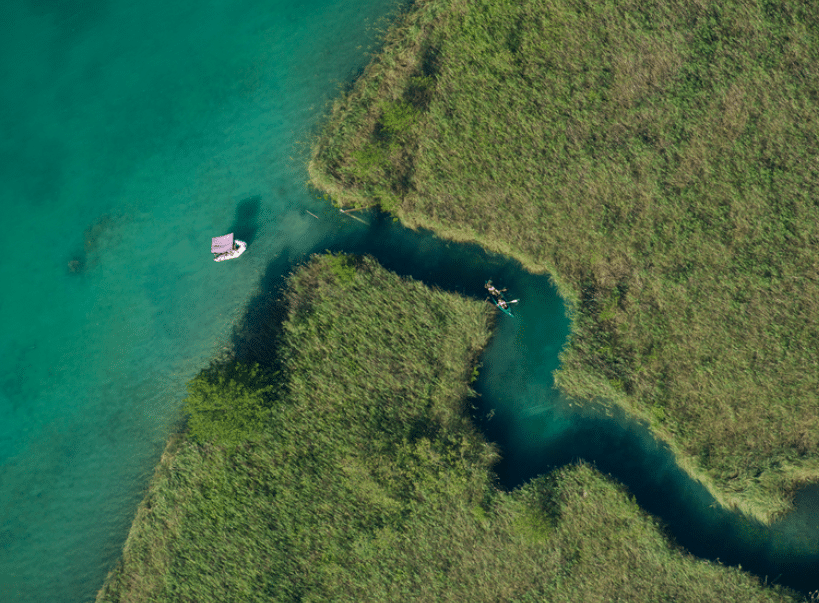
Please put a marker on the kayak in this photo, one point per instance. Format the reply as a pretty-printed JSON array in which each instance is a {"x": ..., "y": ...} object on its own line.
[
  {"x": 497, "y": 297},
  {"x": 506, "y": 311}
]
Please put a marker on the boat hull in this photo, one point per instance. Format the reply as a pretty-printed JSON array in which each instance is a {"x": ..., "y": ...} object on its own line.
[
  {"x": 506, "y": 311},
  {"x": 232, "y": 255}
]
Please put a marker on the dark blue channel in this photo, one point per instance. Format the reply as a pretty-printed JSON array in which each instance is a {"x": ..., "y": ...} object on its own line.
[{"x": 538, "y": 429}]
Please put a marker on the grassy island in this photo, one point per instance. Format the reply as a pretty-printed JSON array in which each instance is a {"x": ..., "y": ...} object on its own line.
[
  {"x": 353, "y": 473},
  {"x": 659, "y": 159}
]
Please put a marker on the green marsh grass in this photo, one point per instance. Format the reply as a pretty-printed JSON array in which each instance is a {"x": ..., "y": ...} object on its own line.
[
  {"x": 660, "y": 160},
  {"x": 367, "y": 481}
]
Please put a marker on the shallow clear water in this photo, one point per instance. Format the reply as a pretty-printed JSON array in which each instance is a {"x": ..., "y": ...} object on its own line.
[{"x": 134, "y": 133}]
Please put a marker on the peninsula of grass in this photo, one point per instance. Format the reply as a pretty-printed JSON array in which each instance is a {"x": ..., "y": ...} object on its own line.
[
  {"x": 354, "y": 474},
  {"x": 660, "y": 159}
]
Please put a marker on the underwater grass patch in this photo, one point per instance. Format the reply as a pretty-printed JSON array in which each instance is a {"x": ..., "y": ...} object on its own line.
[{"x": 659, "y": 160}]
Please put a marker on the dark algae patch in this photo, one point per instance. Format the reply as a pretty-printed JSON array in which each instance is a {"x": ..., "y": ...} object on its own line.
[
  {"x": 354, "y": 474},
  {"x": 659, "y": 160}
]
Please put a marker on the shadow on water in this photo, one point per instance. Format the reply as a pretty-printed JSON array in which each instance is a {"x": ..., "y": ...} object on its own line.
[
  {"x": 452, "y": 267},
  {"x": 246, "y": 223},
  {"x": 536, "y": 427}
]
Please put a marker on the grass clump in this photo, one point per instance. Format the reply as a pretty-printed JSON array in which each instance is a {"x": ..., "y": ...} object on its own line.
[
  {"x": 659, "y": 160},
  {"x": 368, "y": 483},
  {"x": 228, "y": 403}
]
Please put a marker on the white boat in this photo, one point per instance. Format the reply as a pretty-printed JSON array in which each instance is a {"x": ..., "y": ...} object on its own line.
[{"x": 225, "y": 248}]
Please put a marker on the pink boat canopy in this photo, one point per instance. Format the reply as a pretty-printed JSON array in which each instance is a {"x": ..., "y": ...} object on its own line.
[{"x": 222, "y": 244}]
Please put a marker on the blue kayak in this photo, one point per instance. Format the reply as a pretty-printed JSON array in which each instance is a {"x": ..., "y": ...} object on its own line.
[
  {"x": 506, "y": 311},
  {"x": 497, "y": 297}
]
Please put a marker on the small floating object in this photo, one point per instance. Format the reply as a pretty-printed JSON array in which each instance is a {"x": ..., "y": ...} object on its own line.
[
  {"x": 347, "y": 213},
  {"x": 498, "y": 299},
  {"x": 225, "y": 248},
  {"x": 352, "y": 209},
  {"x": 503, "y": 306}
]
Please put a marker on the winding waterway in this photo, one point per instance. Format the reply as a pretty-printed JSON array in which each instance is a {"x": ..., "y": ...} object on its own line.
[{"x": 134, "y": 133}]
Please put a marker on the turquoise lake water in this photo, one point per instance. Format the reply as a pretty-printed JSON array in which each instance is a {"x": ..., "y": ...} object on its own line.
[{"x": 133, "y": 134}]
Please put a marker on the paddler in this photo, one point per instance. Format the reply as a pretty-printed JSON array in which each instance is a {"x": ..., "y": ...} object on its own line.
[
  {"x": 493, "y": 290},
  {"x": 502, "y": 303}
]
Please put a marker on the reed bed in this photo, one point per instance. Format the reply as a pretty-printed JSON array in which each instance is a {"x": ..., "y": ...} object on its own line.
[
  {"x": 353, "y": 473},
  {"x": 660, "y": 160}
]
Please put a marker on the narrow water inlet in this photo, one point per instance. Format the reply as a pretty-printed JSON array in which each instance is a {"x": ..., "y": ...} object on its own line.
[
  {"x": 134, "y": 133},
  {"x": 538, "y": 428}
]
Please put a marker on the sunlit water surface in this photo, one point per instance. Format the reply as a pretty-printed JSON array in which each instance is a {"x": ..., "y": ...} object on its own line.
[{"x": 133, "y": 132}]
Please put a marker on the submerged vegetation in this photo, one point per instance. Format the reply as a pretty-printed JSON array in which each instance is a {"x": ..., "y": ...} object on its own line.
[
  {"x": 354, "y": 474},
  {"x": 659, "y": 159}
]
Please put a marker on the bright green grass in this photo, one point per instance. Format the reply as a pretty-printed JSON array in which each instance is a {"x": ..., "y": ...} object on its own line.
[
  {"x": 659, "y": 159},
  {"x": 368, "y": 483}
]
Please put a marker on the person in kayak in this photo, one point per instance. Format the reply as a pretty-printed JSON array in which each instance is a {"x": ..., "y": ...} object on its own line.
[
  {"x": 502, "y": 303},
  {"x": 493, "y": 290}
]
